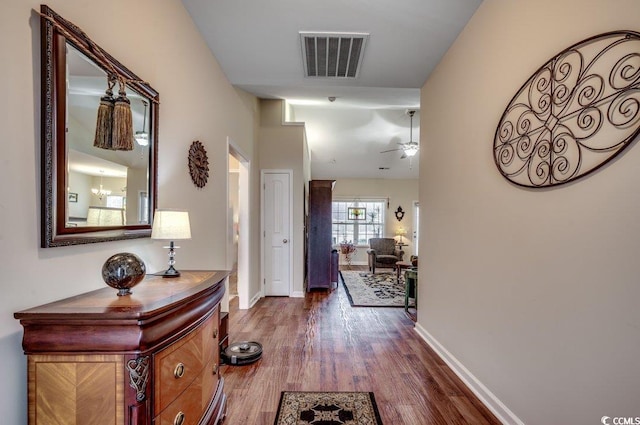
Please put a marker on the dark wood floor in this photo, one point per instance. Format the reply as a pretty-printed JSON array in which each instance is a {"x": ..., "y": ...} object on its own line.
[{"x": 321, "y": 343}]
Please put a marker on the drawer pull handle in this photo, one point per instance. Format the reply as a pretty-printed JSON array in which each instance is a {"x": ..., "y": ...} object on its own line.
[
  {"x": 178, "y": 372},
  {"x": 179, "y": 420},
  {"x": 215, "y": 368}
]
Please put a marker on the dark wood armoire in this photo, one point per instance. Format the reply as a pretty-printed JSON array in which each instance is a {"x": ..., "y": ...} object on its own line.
[{"x": 319, "y": 265}]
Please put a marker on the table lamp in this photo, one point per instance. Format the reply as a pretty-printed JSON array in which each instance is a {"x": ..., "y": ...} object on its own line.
[
  {"x": 171, "y": 225},
  {"x": 401, "y": 232}
]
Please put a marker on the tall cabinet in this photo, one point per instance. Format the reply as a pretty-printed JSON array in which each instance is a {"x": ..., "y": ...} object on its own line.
[{"x": 319, "y": 264}]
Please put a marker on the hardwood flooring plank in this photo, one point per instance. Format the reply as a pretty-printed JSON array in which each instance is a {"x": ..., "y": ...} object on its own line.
[
  {"x": 411, "y": 414},
  {"x": 469, "y": 411},
  {"x": 321, "y": 343}
]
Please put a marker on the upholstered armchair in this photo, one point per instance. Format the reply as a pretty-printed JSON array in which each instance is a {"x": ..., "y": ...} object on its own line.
[{"x": 383, "y": 253}]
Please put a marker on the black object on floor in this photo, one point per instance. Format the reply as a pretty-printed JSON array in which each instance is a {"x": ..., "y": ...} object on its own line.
[{"x": 241, "y": 353}]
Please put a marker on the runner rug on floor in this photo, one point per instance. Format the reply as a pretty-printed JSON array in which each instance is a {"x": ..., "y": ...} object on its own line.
[
  {"x": 327, "y": 408},
  {"x": 373, "y": 290}
]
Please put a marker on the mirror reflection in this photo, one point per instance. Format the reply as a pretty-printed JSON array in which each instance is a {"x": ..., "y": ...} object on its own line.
[
  {"x": 104, "y": 187},
  {"x": 93, "y": 192}
]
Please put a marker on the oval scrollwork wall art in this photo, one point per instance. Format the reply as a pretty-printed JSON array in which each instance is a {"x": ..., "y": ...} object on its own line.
[
  {"x": 576, "y": 113},
  {"x": 198, "y": 164}
]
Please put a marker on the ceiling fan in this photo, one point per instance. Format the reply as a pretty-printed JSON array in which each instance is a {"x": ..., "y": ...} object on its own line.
[{"x": 410, "y": 148}]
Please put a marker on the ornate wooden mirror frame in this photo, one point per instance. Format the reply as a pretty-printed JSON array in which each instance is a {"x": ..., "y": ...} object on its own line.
[{"x": 60, "y": 40}]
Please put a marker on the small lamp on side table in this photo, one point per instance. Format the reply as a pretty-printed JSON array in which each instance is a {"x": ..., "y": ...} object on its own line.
[
  {"x": 171, "y": 225},
  {"x": 401, "y": 232}
]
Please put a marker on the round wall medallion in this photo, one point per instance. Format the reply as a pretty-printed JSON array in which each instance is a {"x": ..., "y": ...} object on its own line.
[{"x": 198, "y": 164}]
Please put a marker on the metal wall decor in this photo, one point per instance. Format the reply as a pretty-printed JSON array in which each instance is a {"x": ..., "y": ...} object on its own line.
[
  {"x": 576, "y": 113},
  {"x": 198, "y": 164}
]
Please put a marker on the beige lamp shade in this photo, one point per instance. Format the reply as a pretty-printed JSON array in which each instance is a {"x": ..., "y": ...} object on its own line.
[
  {"x": 171, "y": 225},
  {"x": 401, "y": 232}
]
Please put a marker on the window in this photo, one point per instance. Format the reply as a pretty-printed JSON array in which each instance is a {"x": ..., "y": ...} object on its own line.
[
  {"x": 115, "y": 201},
  {"x": 143, "y": 207},
  {"x": 357, "y": 221}
]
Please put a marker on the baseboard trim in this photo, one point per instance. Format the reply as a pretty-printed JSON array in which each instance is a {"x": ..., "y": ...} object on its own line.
[
  {"x": 255, "y": 299},
  {"x": 497, "y": 407},
  {"x": 297, "y": 294}
]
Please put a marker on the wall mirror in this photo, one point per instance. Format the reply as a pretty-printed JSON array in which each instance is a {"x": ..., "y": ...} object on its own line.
[{"x": 91, "y": 194}]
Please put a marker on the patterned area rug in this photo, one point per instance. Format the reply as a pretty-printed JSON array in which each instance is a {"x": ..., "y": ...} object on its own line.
[
  {"x": 327, "y": 408},
  {"x": 373, "y": 290}
]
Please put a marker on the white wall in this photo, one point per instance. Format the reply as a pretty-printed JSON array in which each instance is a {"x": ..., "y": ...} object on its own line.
[
  {"x": 400, "y": 192},
  {"x": 535, "y": 292},
  {"x": 283, "y": 147},
  {"x": 136, "y": 182},
  {"x": 80, "y": 184},
  {"x": 162, "y": 46}
]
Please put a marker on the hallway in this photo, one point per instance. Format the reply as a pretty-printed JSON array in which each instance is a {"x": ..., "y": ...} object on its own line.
[{"x": 322, "y": 343}]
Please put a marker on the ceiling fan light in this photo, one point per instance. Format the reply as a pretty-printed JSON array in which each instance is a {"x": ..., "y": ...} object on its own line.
[
  {"x": 142, "y": 138},
  {"x": 411, "y": 150}
]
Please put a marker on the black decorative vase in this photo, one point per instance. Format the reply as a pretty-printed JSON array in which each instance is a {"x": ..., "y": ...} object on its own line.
[{"x": 123, "y": 271}]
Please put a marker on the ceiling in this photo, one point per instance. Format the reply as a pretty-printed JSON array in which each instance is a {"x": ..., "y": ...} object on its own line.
[{"x": 259, "y": 48}]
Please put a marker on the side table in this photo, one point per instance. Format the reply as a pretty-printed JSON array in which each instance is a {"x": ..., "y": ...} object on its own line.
[
  {"x": 411, "y": 289},
  {"x": 401, "y": 265}
]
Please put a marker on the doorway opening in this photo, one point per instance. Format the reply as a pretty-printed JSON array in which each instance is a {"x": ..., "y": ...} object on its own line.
[{"x": 238, "y": 225}]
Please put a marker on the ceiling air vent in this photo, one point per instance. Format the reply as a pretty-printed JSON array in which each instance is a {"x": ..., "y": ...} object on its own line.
[{"x": 332, "y": 54}]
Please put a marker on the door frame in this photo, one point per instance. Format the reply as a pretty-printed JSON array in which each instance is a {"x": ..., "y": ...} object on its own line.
[
  {"x": 416, "y": 226},
  {"x": 264, "y": 172}
]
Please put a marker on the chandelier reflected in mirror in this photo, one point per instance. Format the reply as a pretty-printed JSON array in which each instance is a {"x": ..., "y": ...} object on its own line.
[{"x": 101, "y": 192}]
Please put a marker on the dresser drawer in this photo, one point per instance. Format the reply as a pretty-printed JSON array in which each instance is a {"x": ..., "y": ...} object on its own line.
[
  {"x": 189, "y": 407},
  {"x": 179, "y": 364}
]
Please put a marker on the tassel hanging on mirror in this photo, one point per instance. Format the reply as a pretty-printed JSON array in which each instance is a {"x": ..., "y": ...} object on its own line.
[
  {"x": 122, "y": 137},
  {"x": 104, "y": 122}
]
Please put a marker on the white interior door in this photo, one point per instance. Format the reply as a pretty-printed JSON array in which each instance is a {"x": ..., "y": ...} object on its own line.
[{"x": 277, "y": 233}]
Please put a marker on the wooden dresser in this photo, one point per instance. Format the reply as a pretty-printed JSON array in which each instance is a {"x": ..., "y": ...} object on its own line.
[{"x": 147, "y": 358}]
